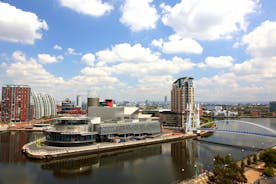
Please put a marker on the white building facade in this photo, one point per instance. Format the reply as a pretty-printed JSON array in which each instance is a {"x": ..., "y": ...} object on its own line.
[{"x": 43, "y": 105}]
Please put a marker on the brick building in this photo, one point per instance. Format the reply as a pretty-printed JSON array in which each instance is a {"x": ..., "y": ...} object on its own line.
[{"x": 15, "y": 105}]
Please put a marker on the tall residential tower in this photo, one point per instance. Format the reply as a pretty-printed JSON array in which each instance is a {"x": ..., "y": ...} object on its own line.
[
  {"x": 182, "y": 100},
  {"x": 16, "y": 103}
]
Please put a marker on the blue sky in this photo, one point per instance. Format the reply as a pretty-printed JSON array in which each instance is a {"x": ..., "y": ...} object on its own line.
[{"x": 134, "y": 49}]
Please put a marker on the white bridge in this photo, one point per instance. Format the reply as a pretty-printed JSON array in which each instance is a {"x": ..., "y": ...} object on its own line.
[{"x": 240, "y": 127}]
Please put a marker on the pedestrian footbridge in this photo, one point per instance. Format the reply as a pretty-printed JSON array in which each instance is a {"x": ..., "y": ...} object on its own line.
[{"x": 239, "y": 127}]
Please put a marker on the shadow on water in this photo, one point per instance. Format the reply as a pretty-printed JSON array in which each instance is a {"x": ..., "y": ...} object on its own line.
[{"x": 84, "y": 165}]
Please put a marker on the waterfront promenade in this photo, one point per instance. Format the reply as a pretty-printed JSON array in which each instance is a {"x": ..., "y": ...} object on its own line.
[{"x": 39, "y": 150}]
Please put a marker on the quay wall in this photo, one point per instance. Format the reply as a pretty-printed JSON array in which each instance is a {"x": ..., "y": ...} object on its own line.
[{"x": 32, "y": 150}]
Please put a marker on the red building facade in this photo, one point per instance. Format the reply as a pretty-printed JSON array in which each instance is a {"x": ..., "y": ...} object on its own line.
[{"x": 15, "y": 105}]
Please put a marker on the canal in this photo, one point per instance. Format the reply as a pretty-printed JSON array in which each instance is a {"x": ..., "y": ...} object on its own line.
[{"x": 160, "y": 163}]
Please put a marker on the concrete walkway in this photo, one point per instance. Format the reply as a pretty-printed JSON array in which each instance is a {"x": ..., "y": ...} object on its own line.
[{"x": 39, "y": 150}]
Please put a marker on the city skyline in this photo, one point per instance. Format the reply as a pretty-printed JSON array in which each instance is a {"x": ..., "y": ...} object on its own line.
[{"x": 134, "y": 50}]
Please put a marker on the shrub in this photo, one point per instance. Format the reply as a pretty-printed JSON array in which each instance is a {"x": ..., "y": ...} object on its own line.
[
  {"x": 269, "y": 157},
  {"x": 255, "y": 158},
  {"x": 269, "y": 172}
]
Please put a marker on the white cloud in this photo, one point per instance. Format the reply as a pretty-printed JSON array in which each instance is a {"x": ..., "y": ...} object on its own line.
[
  {"x": 139, "y": 15},
  {"x": 89, "y": 7},
  {"x": 157, "y": 43},
  {"x": 19, "y": 56},
  {"x": 156, "y": 68},
  {"x": 217, "y": 62},
  {"x": 251, "y": 80},
  {"x": 124, "y": 52},
  {"x": 47, "y": 59},
  {"x": 261, "y": 42},
  {"x": 208, "y": 20},
  {"x": 88, "y": 59},
  {"x": 181, "y": 45},
  {"x": 257, "y": 69},
  {"x": 57, "y": 47},
  {"x": 32, "y": 73},
  {"x": 20, "y": 26},
  {"x": 72, "y": 51}
]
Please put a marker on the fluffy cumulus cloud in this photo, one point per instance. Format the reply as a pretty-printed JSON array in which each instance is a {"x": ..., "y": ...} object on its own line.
[
  {"x": 208, "y": 19},
  {"x": 47, "y": 58},
  {"x": 257, "y": 69},
  {"x": 261, "y": 42},
  {"x": 71, "y": 51},
  {"x": 57, "y": 47},
  {"x": 29, "y": 71},
  {"x": 19, "y": 56},
  {"x": 89, "y": 7},
  {"x": 251, "y": 80},
  {"x": 139, "y": 15},
  {"x": 124, "y": 52},
  {"x": 217, "y": 62},
  {"x": 177, "y": 44},
  {"x": 88, "y": 59},
  {"x": 20, "y": 26}
]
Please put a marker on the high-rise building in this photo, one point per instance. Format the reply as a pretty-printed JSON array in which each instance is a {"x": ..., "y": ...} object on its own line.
[
  {"x": 165, "y": 100},
  {"x": 44, "y": 105},
  {"x": 16, "y": 103},
  {"x": 182, "y": 99},
  {"x": 78, "y": 101}
]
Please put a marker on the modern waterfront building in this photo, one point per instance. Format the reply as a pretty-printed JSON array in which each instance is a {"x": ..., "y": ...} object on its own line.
[
  {"x": 122, "y": 123},
  {"x": 71, "y": 131},
  {"x": 15, "y": 106},
  {"x": 182, "y": 100},
  {"x": 128, "y": 130},
  {"x": 44, "y": 105}
]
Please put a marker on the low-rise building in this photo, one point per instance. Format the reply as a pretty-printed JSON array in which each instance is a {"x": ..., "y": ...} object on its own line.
[{"x": 71, "y": 131}]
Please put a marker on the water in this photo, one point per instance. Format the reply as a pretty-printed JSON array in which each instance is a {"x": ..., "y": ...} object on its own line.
[{"x": 160, "y": 163}]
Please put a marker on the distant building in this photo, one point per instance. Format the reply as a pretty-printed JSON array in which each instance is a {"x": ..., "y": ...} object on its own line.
[
  {"x": 272, "y": 106},
  {"x": 256, "y": 113},
  {"x": 93, "y": 102},
  {"x": 165, "y": 100},
  {"x": 78, "y": 101},
  {"x": 15, "y": 106},
  {"x": 182, "y": 99},
  {"x": 67, "y": 105},
  {"x": 43, "y": 105}
]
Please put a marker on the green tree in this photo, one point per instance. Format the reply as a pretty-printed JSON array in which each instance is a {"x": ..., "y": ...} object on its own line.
[
  {"x": 255, "y": 158},
  {"x": 242, "y": 166},
  {"x": 269, "y": 171},
  {"x": 268, "y": 156},
  {"x": 226, "y": 171},
  {"x": 248, "y": 160}
]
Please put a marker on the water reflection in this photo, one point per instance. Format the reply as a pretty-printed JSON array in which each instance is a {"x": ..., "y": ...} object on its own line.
[
  {"x": 71, "y": 167},
  {"x": 11, "y": 144},
  {"x": 161, "y": 163},
  {"x": 84, "y": 165}
]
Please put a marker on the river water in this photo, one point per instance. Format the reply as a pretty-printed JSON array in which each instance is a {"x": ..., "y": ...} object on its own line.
[{"x": 161, "y": 163}]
